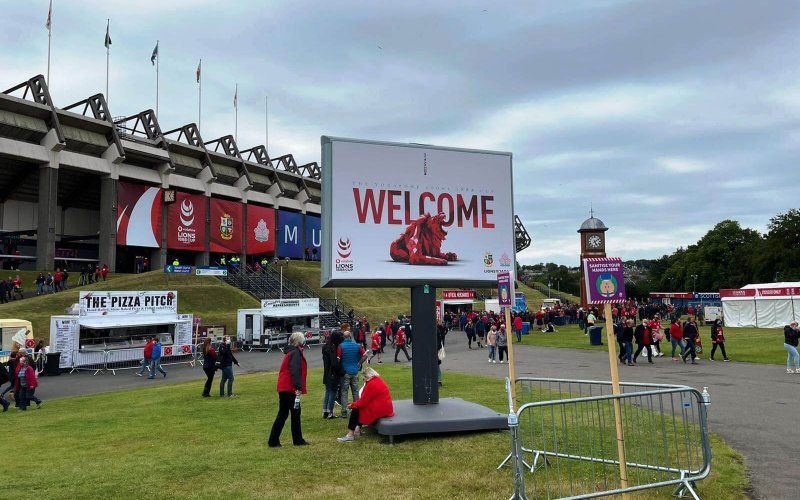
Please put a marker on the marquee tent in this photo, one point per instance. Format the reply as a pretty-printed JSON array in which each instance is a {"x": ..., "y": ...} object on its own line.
[{"x": 762, "y": 305}]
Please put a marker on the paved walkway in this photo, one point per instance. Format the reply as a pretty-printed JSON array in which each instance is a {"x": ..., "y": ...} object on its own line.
[{"x": 754, "y": 407}]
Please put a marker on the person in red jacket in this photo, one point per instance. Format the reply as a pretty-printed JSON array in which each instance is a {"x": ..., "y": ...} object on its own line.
[
  {"x": 146, "y": 355},
  {"x": 375, "y": 403},
  {"x": 291, "y": 384},
  {"x": 518, "y": 327},
  {"x": 25, "y": 384},
  {"x": 400, "y": 343},
  {"x": 676, "y": 337},
  {"x": 376, "y": 346}
]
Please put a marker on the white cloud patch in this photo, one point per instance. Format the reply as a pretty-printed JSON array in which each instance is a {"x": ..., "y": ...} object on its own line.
[{"x": 678, "y": 165}]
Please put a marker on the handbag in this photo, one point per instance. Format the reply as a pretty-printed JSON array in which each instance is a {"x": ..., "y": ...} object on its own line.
[{"x": 441, "y": 354}]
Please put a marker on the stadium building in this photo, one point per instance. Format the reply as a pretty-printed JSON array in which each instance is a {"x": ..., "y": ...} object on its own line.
[{"x": 78, "y": 187}]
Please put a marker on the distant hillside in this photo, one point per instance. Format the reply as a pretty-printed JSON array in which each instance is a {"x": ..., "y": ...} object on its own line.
[{"x": 208, "y": 298}]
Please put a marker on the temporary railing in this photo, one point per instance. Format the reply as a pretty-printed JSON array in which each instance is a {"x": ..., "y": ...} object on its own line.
[
  {"x": 572, "y": 440},
  {"x": 100, "y": 361}
]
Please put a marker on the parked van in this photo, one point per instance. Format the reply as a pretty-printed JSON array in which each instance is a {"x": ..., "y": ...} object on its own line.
[{"x": 550, "y": 303}]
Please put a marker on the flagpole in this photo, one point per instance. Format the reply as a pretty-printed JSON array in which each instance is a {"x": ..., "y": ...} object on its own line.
[
  {"x": 236, "y": 116},
  {"x": 108, "y": 57},
  {"x": 49, "y": 36},
  {"x": 158, "y": 63},
  {"x": 266, "y": 117},
  {"x": 200, "y": 95}
]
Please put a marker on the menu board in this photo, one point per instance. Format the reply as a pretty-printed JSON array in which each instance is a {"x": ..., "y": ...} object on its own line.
[
  {"x": 64, "y": 333},
  {"x": 183, "y": 330}
]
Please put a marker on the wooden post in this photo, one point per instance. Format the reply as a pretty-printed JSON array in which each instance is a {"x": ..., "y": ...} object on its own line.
[
  {"x": 612, "y": 360},
  {"x": 511, "y": 374}
]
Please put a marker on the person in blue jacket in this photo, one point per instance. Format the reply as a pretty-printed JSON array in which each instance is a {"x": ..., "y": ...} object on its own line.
[{"x": 155, "y": 360}]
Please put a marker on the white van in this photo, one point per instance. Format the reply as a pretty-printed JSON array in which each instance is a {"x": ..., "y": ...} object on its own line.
[{"x": 550, "y": 303}]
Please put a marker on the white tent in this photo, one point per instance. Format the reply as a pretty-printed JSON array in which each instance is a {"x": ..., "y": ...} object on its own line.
[{"x": 762, "y": 305}]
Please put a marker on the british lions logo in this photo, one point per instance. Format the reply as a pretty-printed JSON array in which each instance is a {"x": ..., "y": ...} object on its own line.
[
  {"x": 226, "y": 226},
  {"x": 421, "y": 243}
]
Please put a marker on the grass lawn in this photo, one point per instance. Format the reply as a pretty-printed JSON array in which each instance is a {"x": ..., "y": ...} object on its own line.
[
  {"x": 207, "y": 297},
  {"x": 752, "y": 345},
  {"x": 164, "y": 441}
]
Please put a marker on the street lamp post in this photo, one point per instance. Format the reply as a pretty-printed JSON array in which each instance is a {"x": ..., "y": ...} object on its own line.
[
  {"x": 694, "y": 286},
  {"x": 549, "y": 284},
  {"x": 559, "y": 286}
]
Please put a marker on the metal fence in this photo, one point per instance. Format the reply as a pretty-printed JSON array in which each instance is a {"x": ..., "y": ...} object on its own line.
[
  {"x": 112, "y": 360},
  {"x": 564, "y": 440}
]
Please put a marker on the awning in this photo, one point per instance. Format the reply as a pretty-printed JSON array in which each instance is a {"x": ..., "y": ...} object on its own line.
[
  {"x": 296, "y": 315},
  {"x": 102, "y": 322}
]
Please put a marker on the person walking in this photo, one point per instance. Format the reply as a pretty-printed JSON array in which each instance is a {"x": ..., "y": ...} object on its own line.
[
  {"x": 491, "y": 343},
  {"x": 332, "y": 373},
  {"x": 352, "y": 357},
  {"x": 376, "y": 346},
  {"x": 13, "y": 362},
  {"x": 718, "y": 340},
  {"x": 226, "y": 362},
  {"x": 147, "y": 354},
  {"x": 627, "y": 340},
  {"x": 502, "y": 343},
  {"x": 480, "y": 331},
  {"x": 291, "y": 385},
  {"x": 643, "y": 338},
  {"x": 4, "y": 379},
  {"x": 209, "y": 365},
  {"x": 400, "y": 344},
  {"x": 25, "y": 385},
  {"x": 676, "y": 337},
  {"x": 375, "y": 403},
  {"x": 40, "y": 284},
  {"x": 791, "y": 333},
  {"x": 690, "y": 334},
  {"x": 518, "y": 327},
  {"x": 590, "y": 320},
  {"x": 155, "y": 359},
  {"x": 469, "y": 328}
]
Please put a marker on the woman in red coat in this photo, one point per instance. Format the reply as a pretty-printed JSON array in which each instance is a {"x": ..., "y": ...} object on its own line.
[
  {"x": 25, "y": 385},
  {"x": 375, "y": 403},
  {"x": 291, "y": 384}
]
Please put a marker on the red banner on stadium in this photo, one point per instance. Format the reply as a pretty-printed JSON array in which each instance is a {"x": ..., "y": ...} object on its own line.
[
  {"x": 260, "y": 230},
  {"x": 226, "y": 226},
  {"x": 737, "y": 292},
  {"x": 138, "y": 215},
  {"x": 458, "y": 295},
  {"x": 186, "y": 222}
]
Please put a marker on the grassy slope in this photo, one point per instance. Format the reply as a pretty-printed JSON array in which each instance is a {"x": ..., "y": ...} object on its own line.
[
  {"x": 209, "y": 298},
  {"x": 164, "y": 441},
  {"x": 566, "y": 295}
]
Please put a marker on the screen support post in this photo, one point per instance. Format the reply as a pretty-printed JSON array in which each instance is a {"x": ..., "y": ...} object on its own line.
[{"x": 425, "y": 366}]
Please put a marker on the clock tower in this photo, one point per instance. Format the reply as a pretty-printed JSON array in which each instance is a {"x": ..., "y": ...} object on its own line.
[{"x": 593, "y": 244}]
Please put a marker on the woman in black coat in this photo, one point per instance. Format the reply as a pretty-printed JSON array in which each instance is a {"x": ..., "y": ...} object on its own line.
[
  {"x": 332, "y": 373},
  {"x": 4, "y": 379}
]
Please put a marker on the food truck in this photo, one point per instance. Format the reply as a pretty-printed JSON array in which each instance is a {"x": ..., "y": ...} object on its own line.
[
  {"x": 112, "y": 328},
  {"x": 270, "y": 326}
]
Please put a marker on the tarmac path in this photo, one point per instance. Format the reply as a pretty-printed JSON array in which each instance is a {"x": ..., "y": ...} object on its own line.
[{"x": 754, "y": 407}]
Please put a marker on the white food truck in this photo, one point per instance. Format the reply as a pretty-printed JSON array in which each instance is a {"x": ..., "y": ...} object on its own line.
[{"x": 270, "y": 326}]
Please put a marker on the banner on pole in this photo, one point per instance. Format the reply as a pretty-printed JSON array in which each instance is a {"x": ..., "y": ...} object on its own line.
[
  {"x": 605, "y": 280},
  {"x": 504, "y": 294}
]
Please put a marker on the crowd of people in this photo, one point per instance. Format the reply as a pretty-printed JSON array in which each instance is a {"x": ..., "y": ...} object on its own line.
[{"x": 20, "y": 375}]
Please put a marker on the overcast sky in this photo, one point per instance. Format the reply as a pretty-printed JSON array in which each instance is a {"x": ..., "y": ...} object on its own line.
[{"x": 667, "y": 116}]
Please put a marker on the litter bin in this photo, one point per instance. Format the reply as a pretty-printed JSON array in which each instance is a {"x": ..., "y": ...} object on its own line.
[
  {"x": 596, "y": 335},
  {"x": 51, "y": 364},
  {"x": 526, "y": 327}
]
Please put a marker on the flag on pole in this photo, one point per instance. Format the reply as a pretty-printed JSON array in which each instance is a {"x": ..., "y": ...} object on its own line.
[
  {"x": 49, "y": 17},
  {"x": 108, "y": 34},
  {"x": 236, "y": 97},
  {"x": 199, "y": 66},
  {"x": 155, "y": 55}
]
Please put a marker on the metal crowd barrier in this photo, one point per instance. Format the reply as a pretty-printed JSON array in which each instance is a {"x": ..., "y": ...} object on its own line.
[
  {"x": 126, "y": 359},
  {"x": 572, "y": 441}
]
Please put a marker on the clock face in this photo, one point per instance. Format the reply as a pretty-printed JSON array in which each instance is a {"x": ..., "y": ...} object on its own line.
[{"x": 594, "y": 241}]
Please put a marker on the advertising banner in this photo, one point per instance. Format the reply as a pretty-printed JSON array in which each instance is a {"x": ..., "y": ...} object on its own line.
[
  {"x": 438, "y": 311},
  {"x": 605, "y": 280},
  {"x": 186, "y": 222},
  {"x": 778, "y": 292},
  {"x": 290, "y": 235},
  {"x": 128, "y": 303},
  {"x": 226, "y": 226},
  {"x": 504, "y": 289},
  {"x": 458, "y": 295},
  {"x": 313, "y": 243},
  {"x": 737, "y": 292},
  {"x": 138, "y": 215},
  {"x": 260, "y": 230},
  {"x": 403, "y": 214},
  {"x": 519, "y": 302},
  {"x": 290, "y": 307}
]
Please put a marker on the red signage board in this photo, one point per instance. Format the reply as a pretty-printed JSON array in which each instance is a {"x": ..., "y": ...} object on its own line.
[
  {"x": 737, "y": 292},
  {"x": 663, "y": 295},
  {"x": 458, "y": 295},
  {"x": 438, "y": 311},
  {"x": 778, "y": 292},
  {"x": 186, "y": 222},
  {"x": 260, "y": 230},
  {"x": 226, "y": 226},
  {"x": 138, "y": 215}
]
